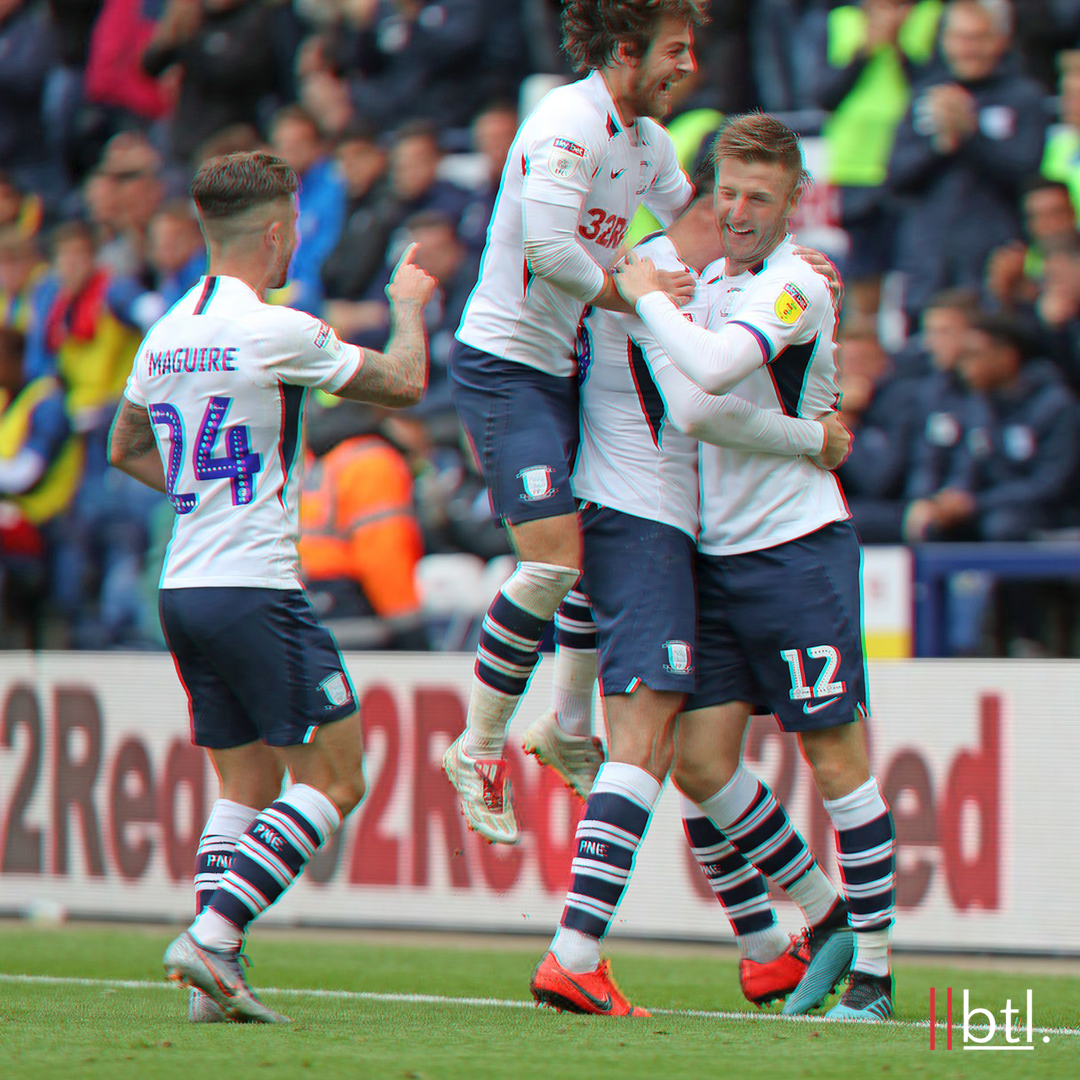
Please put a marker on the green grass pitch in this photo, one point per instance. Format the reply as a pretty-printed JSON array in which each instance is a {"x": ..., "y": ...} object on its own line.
[{"x": 82, "y": 1002}]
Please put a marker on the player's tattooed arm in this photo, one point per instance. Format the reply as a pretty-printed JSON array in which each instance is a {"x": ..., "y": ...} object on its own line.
[
  {"x": 398, "y": 376},
  {"x": 132, "y": 447}
]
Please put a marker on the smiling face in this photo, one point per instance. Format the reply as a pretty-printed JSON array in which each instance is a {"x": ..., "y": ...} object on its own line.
[
  {"x": 753, "y": 203},
  {"x": 668, "y": 60}
]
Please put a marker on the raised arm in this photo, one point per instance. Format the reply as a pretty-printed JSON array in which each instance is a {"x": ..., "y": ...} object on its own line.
[
  {"x": 133, "y": 448},
  {"x": 398, "y": 377}
]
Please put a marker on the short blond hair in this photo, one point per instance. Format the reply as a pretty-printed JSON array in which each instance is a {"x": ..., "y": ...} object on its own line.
[{"x": 759, "y": 137}]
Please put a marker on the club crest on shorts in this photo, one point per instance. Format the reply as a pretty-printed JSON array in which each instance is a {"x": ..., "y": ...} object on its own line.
[
  {"x": 336, "y": 689},
  {"x": 536, "y": 480},
  {"x": 679, "y": 658}
]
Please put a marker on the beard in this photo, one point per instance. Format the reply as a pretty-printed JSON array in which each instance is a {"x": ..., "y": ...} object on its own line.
[{"x": 647, "y": 99}]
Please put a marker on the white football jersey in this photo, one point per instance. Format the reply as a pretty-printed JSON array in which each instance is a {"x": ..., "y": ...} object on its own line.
[
  {"x": 752, "y": 500},
  {"x": 572, "y": 151},
  {"x": 632, "y": 458},
  {"x": 224, "y": 377}
]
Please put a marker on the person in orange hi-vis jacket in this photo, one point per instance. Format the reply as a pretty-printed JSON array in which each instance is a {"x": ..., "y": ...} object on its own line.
[{"x": 359, "y": 538}]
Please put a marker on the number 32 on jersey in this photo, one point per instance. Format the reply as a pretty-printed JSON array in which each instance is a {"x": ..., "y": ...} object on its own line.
[{"x": 238, "y": 464}]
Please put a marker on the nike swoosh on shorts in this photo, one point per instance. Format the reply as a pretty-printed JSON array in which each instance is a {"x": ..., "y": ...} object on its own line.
[{"x": 808, "y": 708}]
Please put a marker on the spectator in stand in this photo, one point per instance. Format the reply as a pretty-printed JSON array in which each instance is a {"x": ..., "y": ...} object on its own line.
[
  {"x": 493, "y": 131},
  {"x": 1056, "y": 309},
  {"x": 415, "y": 157},
  {"x": 1018, "y": 444},
  {"x": 362, "y": 161},
  {"x": 410, "y": 59},
  {"x": 413, "y": 186},
  {"x": 1013, "y": 271},
  {"x": 967, "y": 143},
  {"x": 175, "y": 260},
  {"x": 878, "y": 410},
  {"x": 129, "y": 190},
  {"x": 40, "y": 467},
  {"x": 236, "y": 58},
  {"x": 942, "y": 398},
  {"x": 297, "y": 140},
  {"x": 1061, "y": 158},
  {"x": 323, "y": 94},
  {"x": 864, "y": 60},
  {"x": 74, "y": 333},
  {"x": 28, "y": 51},
  {"x": 443, "y": 255},
  {"x": 114, "y": 78},
  {"x": 21, "y": 267},
  {"x": 1013, "y": 473},
  {"x": 359, "y": 538}
]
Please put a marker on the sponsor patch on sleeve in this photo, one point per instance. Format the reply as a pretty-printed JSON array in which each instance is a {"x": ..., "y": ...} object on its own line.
[
  {"x": 570, "y": 147},
  {"x": 790, "y": 304},
  {"x": 326, "y": 339},
  {"x": 565, "y": 158}
]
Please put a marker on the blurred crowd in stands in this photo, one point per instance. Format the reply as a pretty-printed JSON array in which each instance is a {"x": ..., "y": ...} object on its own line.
[{"x": 946, "y": 142}]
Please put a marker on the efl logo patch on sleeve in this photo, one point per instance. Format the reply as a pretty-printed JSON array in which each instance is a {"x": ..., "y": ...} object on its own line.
[
  {"x": 790, "y": 304},
  {"x": 565, "y": 158},
  {"x": 322, "y": 335}
]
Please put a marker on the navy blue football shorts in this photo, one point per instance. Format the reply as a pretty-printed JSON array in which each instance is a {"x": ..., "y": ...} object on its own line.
[
  {"x": 782, "y": 627},
  {"x": 256, "y": 664},
  {"x": 524, "y": 428},
  {"x": 639, "y": 577}
]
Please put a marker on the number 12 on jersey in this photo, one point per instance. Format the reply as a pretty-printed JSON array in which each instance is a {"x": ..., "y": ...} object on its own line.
[{"x": 238, "y": 464}]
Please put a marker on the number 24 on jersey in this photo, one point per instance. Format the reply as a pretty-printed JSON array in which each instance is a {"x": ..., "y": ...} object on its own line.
[{"x": 239, "y": 463}]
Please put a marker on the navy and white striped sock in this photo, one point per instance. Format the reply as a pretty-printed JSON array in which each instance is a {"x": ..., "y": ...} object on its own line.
[
  {"x": 608, "y": 836},
  {"x": 268, "y": 858},
  {"x": 738, "y": 885},
  {"x": 224, "y": 826},
  {"x": 750, "y": 816},
  {"x": 508, "y": 650},
  {"x": 866, "y": 855}
]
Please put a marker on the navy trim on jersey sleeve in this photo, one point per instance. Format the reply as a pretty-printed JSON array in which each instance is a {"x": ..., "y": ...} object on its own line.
[{"x": 762, "y": 340}]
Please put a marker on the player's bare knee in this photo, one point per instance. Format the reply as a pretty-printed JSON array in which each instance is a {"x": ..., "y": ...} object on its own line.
[
  {"x": 555, "y": 541},
  {"x": 346, "y": 793},
  {"x": 701, "y": 779}
]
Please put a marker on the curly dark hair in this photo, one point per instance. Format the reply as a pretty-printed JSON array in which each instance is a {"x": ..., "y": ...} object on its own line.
[
  {"x": 593, "y": 29},
  {"x": 233, "y": 183},
  {"x": 759, "y": 137}
]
